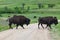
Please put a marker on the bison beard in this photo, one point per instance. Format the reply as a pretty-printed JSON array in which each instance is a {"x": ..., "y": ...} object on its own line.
[
  {"x": 47, "y": 20},
  {"x": 18, "y": 20}
]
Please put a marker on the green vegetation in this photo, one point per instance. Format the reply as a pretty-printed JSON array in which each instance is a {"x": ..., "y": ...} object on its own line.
[
  {"x": 20, "y": 6},
  {"x": 2, "y": 28},
  {"x": 30, "y": 8},
  {"x": 18, "y": 2},
  {"x": 55, "y": 33},
  {"x": 4, "y": 25}
]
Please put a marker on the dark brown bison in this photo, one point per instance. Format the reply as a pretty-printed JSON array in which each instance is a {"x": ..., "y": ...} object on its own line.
[
  {"x": 18, "y": 20},
  {"x": 47, "y": 20}
]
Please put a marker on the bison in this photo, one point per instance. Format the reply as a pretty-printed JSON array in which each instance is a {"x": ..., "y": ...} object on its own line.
[
  {"x": 48, "y": 21},
  {"x": 18, "y": 20}
]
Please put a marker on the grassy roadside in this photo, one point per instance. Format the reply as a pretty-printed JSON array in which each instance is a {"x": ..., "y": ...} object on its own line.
[
  {"x": 55, "y": 32},
  {"x": 2, "y": 28}
]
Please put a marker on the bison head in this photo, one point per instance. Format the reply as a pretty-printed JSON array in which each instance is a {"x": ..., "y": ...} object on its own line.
[
  {"x": 55, "y": 21},
  {"x": 27, "y": 21}
]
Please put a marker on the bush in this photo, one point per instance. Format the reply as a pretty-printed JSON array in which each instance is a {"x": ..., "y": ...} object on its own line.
[
  {"x": 0, "y": 15},
  {"x": 51, "y": 5},
  {"x": 17, "y": 10},
  {"x": 10, "y": 10},
  {"x": 40, "y": 5},
  {"x": 6, "y": 10},
  {"x": 23, "y": 6}
]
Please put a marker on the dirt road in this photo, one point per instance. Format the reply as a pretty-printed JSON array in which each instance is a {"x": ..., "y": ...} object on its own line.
[{"x": 30, "y": 32}]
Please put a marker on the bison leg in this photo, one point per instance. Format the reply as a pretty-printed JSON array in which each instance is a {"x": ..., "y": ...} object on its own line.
[
  {"x": 10, "y": 25},
  {"x": 17, "y": 26},
  {"x": 42, "y": 26},
  {"x": 22, "y": 26},
  {"x": 50, "y": 26},
  {"x": 47, "y": 26},
  {"x": 38, "y": 25}
]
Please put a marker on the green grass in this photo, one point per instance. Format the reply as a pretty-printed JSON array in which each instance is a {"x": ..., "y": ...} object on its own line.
[
  {"x": 31, "y": 3},
  {"x": 55, "y": 32},
  {"x": 4, "y": 25},
  {"x": 2, "y": 28}
]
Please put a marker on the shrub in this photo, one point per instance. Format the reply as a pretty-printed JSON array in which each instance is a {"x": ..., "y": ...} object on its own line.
[
  {"x": 51, "y": 5},
  {"x": 40, "y": 5}
]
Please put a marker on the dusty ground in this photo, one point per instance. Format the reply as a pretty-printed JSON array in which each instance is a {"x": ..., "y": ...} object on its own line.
[{"x": 30, "y": 32}]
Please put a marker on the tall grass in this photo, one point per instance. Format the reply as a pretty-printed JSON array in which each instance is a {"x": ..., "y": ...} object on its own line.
[{"x": 55, "y": 32}]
